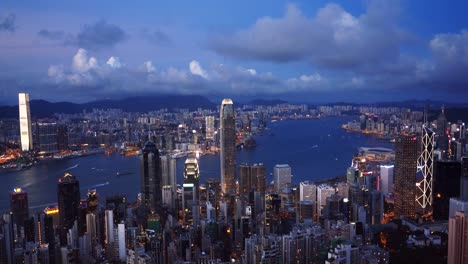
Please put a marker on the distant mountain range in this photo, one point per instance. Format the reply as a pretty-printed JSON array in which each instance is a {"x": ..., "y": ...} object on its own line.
[{"x": 43, "y": 109}]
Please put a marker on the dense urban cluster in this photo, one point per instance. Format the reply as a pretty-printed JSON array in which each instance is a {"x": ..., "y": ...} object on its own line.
[{"x": 392, "y": 206}]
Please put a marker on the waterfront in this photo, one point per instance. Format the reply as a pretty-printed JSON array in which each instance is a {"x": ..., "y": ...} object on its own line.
[{"x": 315, "y": 149}]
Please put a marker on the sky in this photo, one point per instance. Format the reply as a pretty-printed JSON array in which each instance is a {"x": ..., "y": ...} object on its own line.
[{"x": 300, "y": 51}]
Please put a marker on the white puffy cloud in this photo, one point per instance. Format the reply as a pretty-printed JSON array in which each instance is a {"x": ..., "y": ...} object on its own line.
[
  {"x": 114, "y": 62},
  {"x": 148, "y": 67},
  {"x": 83, "y": 63},
  {"x": 196, "y": 69}
]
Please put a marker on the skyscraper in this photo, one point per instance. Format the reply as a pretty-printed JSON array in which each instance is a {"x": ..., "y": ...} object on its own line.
[
  {"x": 442, "y": 138},
  {"x": 252, "y": 177},
  {"x": 169, "y": 183},
  {"x": 425, "y": 170},
  {"x": 151, "y": 188},
  {"x": 458, "y": 239},
  {"x": 191, "y": 174},
  {"x": 406, "y": 155},
  {"x": 25, "y": 122},
  {"x": 47, "y": 137},
  {"x": 282, "y": 176},
  {"x": 19, "y": 206},
  {"x": 228, "y": 147},
  {"x": 447, "y": 176},
  {"x": 68, "y": 197},
  {"x": 210, "y": 128}
]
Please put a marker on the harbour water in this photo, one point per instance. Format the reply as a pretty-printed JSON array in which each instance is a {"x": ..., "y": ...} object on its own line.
[{"x": 315, "y": 149}]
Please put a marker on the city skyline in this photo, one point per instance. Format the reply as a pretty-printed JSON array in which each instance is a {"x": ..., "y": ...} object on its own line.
[{"x": 334, "y": 50}]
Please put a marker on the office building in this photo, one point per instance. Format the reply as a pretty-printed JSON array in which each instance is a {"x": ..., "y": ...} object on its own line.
[
  {"x": 282, "y": 177},
  {"x": 323, "y": 192},
  {"x": 62, "y": 137},
  {"x": 447, "y": 177},
  {"x": 19, "y": 207},
  {"x": 442, "y": 140},
  {"x": 406, "y": 155},
  {"x": 108, "y": 226},
  {"x": 210, "y": 127},
  {"x": 252, "y": 178},
  {"x": 25, "y": 122},
  {"x": 47, "y": 137},
  {"x": 227, "y": 130},
  {"x": 425, "y": 171},
  {"x": 151, "y": 188},
  {"x": 307, "y": 191},
  {"x": 458, "y": 239},
  {"x": 192, "y": 174},
  {"x": 386, "y": 179},
  {"x": 68, "y": 197}
]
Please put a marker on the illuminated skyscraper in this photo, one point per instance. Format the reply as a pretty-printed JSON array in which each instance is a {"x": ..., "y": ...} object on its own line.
[
  {"x": 151, "y": 180},
  {"x": 228, "y": 147},
  {"x": 192, "y": 173},
  {"x": 68, "y": 196},
  {"x": 25, "y": 122},
  {"x": 19, "y": 206},
  {"x": 406, "y": 155},
  {"x": 169, "y": 183},
  {"x": 47, "y": 137},
  {"x": 210, "y": 127},
  {"x": 425, "y": 170}
]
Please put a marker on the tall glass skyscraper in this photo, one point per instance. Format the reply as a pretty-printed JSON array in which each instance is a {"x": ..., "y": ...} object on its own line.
[
  {"x": 406, "y": 156},
  {"x": 25, "y": 122},
  {"x": 151, "y": 180},
  {"x": 68, "y": 196},
  {"x": 228, "y": 147}
]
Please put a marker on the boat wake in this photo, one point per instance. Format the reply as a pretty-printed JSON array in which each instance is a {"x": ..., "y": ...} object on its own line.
[
  {"x": 72, "y": 167},
  {"x": 99, "y": 185}
]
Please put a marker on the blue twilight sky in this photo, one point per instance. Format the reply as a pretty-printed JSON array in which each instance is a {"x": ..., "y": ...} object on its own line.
[{"x": 304, "y": 51}]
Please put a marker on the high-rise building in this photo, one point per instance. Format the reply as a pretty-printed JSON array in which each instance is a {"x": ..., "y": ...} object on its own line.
[
  {"x": 92, "y": 200},
  {"x": 151, "y": 188},
  {"x": 252, "y": 177},
  {"x": 307, "y": 191},
  {"x": 458, "y": 239},
  {"x": 228, "y": 147},
  {"x": 406, "y": 155},
  {"x": 19, "y": 207},
  {"x": 62, "y": 137},
  {"x": 191, "y": 174},
  {"x": 47, "y": 137},
  {"x": 210, "y": 127},
  {"x": 109, "y": 226},
  {"x": 68, "y": 197},
  {"x": 25, "y": 122},
  {"x": 442, "y": 137},
  {"x": 425, "y": 170},
  {"x": 282, "y": 177},
  {"x": 447, "y": 176},
  {"x": 386, "y": 179},
  {"x": 169, "y": 181}
]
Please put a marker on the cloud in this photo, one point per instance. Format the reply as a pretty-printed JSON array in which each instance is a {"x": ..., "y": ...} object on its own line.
[
  {"x": 87, "y": 75},
  {"x": 52, "y": 35},
  {"x": 156, "y": 37},
  {"x": 196, "y": 69},
  {"x": 82, "y": 62},
  {"x": 333, "y": 37},
  {"x": 97, "y": 36},
  {"x": 114, "y": 62},
  {"x": 7, "y": 23}
]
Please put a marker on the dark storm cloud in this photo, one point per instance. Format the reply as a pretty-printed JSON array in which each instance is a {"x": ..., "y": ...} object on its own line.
[
  {"x": 52, "y": 35},
  {"x": 332, "y": 38},
  {"x": 98, "y": 35},
  {"x": 156, "y": 37},
  {"x": 7, "y": 23}
]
